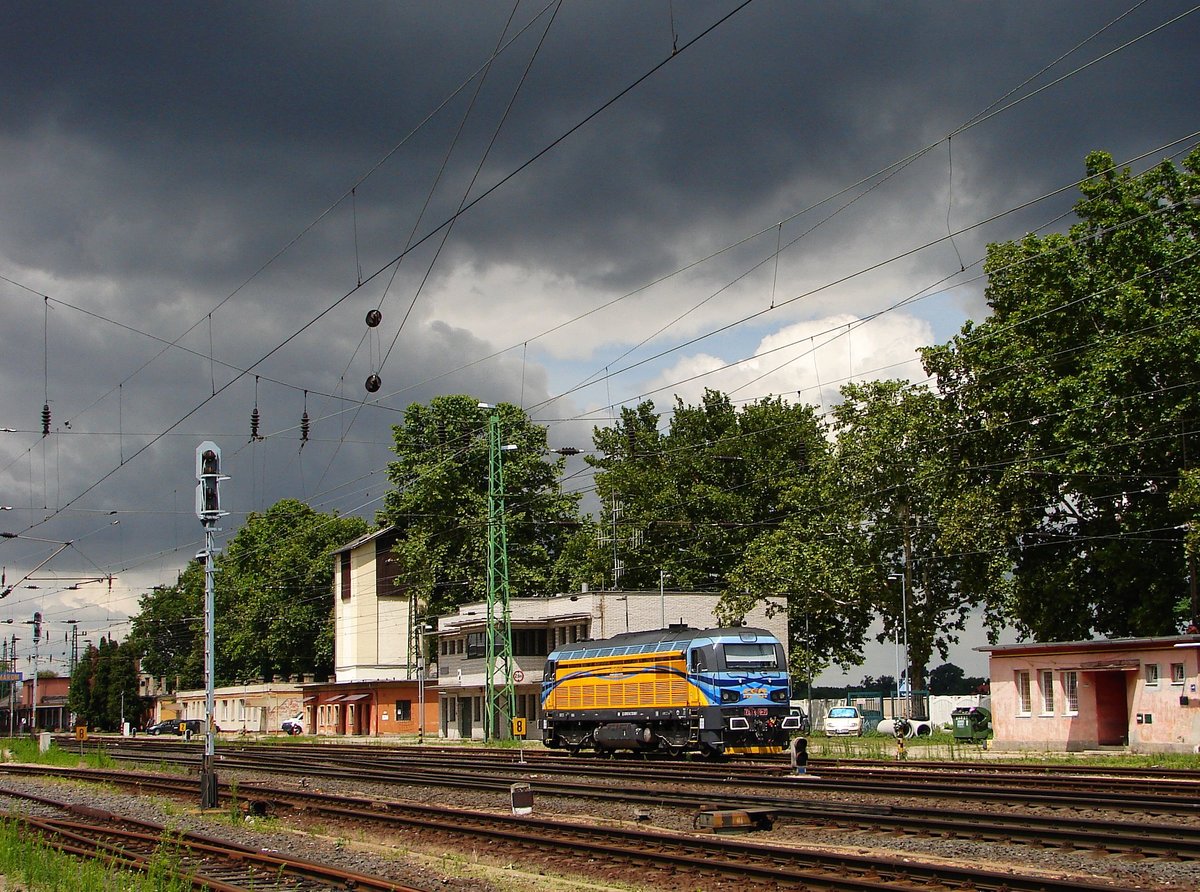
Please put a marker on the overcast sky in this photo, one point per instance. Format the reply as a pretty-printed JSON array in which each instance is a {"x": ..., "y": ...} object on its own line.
[{"x": 202, "y": 202}]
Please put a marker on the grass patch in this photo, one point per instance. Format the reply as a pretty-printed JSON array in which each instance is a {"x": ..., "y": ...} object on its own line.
[
  {"x": 42, "y": 868},
  {"x": 25, "y": 749}
]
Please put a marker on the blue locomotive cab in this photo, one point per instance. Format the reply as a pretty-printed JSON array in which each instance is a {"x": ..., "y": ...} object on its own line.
[{"x": 750, "y": 690}]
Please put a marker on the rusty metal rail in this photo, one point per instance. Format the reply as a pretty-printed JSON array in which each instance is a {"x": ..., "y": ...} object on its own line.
[
  {"x": 702, "y": 854},
  {"x": 207, "y": 863}
]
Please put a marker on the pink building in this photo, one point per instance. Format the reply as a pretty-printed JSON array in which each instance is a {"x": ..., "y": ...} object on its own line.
[{"x": 1138, "y": 694}]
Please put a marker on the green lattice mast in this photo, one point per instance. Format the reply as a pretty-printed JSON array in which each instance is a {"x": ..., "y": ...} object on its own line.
[{"x": 501, "y": 694}]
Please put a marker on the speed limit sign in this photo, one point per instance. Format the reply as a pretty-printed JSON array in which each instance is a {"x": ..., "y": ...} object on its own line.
[{"x": 518, "y": 675}]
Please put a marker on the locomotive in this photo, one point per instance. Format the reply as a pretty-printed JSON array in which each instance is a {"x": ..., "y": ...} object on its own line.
[{"x": 675, "y": 690}]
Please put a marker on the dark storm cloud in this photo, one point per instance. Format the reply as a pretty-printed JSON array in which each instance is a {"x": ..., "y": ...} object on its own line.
[{"x": 153, "y": 158}]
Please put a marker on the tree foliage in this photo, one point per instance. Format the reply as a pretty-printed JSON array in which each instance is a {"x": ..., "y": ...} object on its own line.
[
  {"x": 690, "y": 500},
  {"x": 732, "y": 499},
  {"x": 273, "y": 602},
  {"x": 897, "y": 480},
  {"x": 439, "y": 503},
  {"x": 1077, "y": 400},
  {"x": 104, "y": 686}
]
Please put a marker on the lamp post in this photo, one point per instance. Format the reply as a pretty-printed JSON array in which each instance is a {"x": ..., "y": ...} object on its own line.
[
  {"x": 662, "y": 597},
  {"x": 904, "y": 626}
]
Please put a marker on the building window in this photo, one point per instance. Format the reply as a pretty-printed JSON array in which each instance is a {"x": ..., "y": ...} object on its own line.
[
  {"x": 1177, "y": 673},
  {"x": 476, "y": 646},
  {"x": 404, "y": 710},
  {"x": 1024, "y": 697},
  {"x": 530, "y": 643},
  {"x": 344, "y": 575},
  {"x": 1070, "y": 682},
  {"x": 1047, "y": 686},
  {"x": 389, "y": 571},
  {"x": 1151, "y": 674}
]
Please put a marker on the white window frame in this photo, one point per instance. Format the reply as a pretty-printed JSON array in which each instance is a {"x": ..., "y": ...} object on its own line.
[
  {"x": 1178, "y": 673},
  {"x": 1046, "y": 686},
  {"x": 1070, "y": 683},
  {"x": 1150, "y": 673},
  {"x": 1024, "y": 694}
]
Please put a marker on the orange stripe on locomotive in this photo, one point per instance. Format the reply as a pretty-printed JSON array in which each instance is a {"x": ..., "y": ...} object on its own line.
[{"x": 637, "y": 681}]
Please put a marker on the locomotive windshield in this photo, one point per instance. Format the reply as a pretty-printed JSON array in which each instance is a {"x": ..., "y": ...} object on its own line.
[{"x": 758, "y": 656}]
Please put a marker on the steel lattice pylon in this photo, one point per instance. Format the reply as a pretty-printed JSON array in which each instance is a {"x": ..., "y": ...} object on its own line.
[{"x": 501, "y": 692}]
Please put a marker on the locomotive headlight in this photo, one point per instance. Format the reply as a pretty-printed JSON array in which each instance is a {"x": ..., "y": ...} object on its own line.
[
  {"x": 779, "y": 696},
  {"x": 730, "y": 696}
]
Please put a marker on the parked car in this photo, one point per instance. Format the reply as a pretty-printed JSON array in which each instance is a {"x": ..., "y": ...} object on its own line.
[
  {"x": 166, "y": 726},
  {"x": 843, "y": 721},
  {"x": 805, "y": 724},
  {"x": 293, "y": 725}
]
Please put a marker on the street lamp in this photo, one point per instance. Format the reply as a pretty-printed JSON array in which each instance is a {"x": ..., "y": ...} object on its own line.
[{"x": 904, "y": 623}]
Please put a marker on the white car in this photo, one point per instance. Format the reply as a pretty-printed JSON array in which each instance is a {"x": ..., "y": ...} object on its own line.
[
  {"x": 843, "y": 721},
  {"x": 293, "y": 726}
]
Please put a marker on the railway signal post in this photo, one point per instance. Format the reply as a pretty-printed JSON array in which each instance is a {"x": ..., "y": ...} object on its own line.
[{"x": 208, "y": 510}]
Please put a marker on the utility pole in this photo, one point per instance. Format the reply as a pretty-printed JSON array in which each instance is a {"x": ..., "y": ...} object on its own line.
[
  {"x": 12, "y": 689},
  {"x": 208, "y": 509},
  {"x": 37, "y": 637},
  {"x": 74, "y": 623},
  {"x": 501, "y": 691}
]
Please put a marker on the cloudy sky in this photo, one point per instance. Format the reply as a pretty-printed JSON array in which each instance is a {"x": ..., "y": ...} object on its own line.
[{"x": 571, "y": 206}]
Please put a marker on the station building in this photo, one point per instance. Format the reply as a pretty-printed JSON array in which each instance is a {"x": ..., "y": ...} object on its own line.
[
  {"x": 257, "y": 708},
  {"x": 1130, "y": 694}
]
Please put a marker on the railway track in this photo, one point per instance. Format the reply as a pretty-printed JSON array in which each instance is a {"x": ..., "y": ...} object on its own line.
[
  {"x": 690, "y": 856},
  {"x": 1139, "y": 838},
  {"x": 207, "y": 863},
  {"x": 1144, "y": 796}
]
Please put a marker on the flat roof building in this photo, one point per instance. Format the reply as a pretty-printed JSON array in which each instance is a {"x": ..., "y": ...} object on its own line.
[{"x": 1134, "y": 694}]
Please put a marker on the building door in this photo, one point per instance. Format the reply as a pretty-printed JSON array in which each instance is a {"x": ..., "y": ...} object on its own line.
[
  {"x": 464, "y": 718},
  {"x": 1112, "y": 708}
]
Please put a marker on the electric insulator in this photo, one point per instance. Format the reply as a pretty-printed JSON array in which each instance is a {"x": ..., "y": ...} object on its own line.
[
  {"x": 304, "y": 428},
  {"x": 254, "y": 418},
  {"x": 374, "y": 382},
  {"x": 374, "y": 317},
  {"x": 46, "y": 420}
]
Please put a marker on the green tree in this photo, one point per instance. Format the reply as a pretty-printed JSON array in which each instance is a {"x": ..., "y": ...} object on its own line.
[
  {"x": 897, "y": 480},
  {"x": 947, "y": 679},
  {"x": 689, "y": 501},
  {"x": 104, "y": 686},
  {"x": 1077, "y": 402},
  {"x": 275, "y": 592},
  {"x": 438, "y": 503},
  {"x": 168, "y": 630},
  {"x": 273, "y": 602}
]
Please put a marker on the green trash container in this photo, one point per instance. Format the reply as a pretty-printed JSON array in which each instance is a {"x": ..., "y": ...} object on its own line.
[{"x": 971, "y": 723}]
